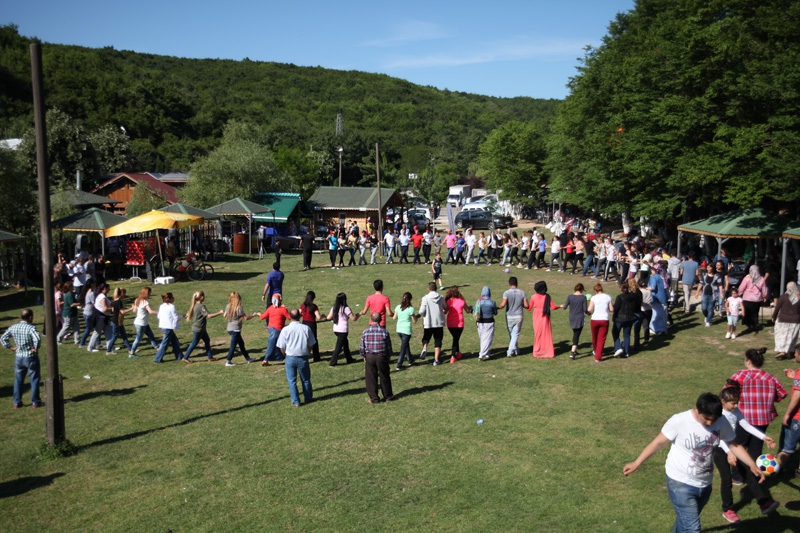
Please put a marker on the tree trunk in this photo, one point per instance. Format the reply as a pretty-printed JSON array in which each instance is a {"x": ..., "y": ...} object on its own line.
[{"x": 626, "y": 222}]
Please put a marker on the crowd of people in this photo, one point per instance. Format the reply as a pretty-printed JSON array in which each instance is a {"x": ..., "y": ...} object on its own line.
[{"x": 726, "y": 430}]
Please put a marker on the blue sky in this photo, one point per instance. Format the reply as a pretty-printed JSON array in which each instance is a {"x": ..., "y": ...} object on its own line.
[{"x": 500, "y": 48}]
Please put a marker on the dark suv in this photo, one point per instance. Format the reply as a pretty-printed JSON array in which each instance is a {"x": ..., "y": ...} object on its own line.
[{"x": 481, "y": 219}]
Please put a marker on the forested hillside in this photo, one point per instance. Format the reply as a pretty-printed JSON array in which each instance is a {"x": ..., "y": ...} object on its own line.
[{"x": 175, "y": 110}]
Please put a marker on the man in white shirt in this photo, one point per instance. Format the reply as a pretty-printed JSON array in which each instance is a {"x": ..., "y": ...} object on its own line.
[
  {"x": 470, "y": 239},
  {"x": 389, "y": 240},
  {"x": 693, "y": 434},
  {"x": 295, "y": 341}
]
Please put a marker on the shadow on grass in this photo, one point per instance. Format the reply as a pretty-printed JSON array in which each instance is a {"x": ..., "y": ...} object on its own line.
[
  {"x": 419, "y": 390},
  {"x": 137, "y": 434},
  {"x": 22, "y": 485},
  {"x": 6, "y": 391},
  {"x": 98, "y": 394},
  {"x": 772, "y": 522},
  {"x": 226, "y": 275}
]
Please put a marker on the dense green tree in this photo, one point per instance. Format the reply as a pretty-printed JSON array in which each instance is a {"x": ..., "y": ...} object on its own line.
[
  {"x": 112, "y": 150},
  {"x": 512, "y": 160},
  {"x": 685, "y": 105},
  {"x": 68, "y": 150},
  {"x": 240, "y": 167},
  {"x": 144, "y": 200},
  {"x": 17, "y": 204},
  {"x": 301, "y": 169}
]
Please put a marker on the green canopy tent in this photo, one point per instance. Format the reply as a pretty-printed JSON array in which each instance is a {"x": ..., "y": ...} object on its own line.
[
  {"x": 748, "y": 223},
  {"x": 189, "y": 210},
  {"x": 91, "y": 220},
  {"x": 7, "y": 237},
  {"x": 242, "y": 208}
]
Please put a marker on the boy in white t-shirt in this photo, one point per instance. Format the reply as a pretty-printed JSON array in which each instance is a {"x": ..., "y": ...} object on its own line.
[
  {"x": 693, "y": 434},
  {"x": 735, "y": 309}
]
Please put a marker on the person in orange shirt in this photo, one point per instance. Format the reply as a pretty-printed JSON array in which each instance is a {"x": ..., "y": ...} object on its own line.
[{"x": 276, "y": 316}]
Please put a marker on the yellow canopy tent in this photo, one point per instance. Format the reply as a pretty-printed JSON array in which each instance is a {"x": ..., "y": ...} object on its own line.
[{"x": 154, "y": 220}]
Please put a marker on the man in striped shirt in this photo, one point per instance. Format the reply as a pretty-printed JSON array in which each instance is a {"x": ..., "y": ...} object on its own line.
[
  {"x": 376, "y": 349},
  {"x": 27, "y": 342}
]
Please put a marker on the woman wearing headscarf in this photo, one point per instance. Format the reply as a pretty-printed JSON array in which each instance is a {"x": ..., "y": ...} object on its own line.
[
  {"x": 540, "y": 306},
  {"x": 787, "y": 321},
  {"x": 658, "y": 324},
  {"x": 485, "y": 310},
  {"x": 753, "y": 292}
]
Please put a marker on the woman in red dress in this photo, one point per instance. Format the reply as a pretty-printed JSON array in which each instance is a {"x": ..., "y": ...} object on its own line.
[{"x": 540, "y": 305}]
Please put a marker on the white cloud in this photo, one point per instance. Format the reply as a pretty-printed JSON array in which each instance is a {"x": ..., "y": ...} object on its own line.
[
  {"x": 514, "y": 50},
  {"x": 410, "y": 31}
]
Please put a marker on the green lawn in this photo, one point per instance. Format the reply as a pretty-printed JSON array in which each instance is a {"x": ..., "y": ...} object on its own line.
[{"x": 202, "y": 447}]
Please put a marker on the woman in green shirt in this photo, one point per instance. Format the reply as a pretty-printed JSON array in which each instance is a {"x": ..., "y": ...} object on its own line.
[
  {"x": 197, "y": 315},
  {"x": 404, "y": 314}
]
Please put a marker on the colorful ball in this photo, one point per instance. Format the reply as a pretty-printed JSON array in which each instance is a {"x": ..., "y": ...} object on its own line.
[
  {"x": 768, "y": 464},
  {"x": 507, "y": 270}
]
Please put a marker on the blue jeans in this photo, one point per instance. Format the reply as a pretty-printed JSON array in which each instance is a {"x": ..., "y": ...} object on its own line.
[
  {"x": 273, "y": 353},
  {"x": 625, "y": 328},
  {"x": 236, "y": 339},
  {"x": 514, "y": 324},
  {"x": 87, "y": 320},
  {"x": 118, "y": 332},
  {"x": 405, "y": 350},
  {"x": 197, "y": 336},
  {"x": 169, "y": 338},
  {"x": 588, "y": 263},
  {"x": 688, "y": 502},
  {"x": 29, "y": 365},
  {"x": 140, "y": 332},
  {"x": 295, "y": 366},
  {"x": 790, "y": 436},
  {"x": 708, "y": 307},
  {"x": 451, "y": 255}
]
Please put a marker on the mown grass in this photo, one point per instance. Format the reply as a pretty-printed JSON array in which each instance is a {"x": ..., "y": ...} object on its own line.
[{"x": 202, "y": 447}]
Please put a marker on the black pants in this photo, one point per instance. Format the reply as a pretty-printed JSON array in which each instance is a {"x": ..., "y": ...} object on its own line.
[
  {"x": 426, "y": 251},
  {"x": 341, "y": 257},
  {"x": 750, "y": 319},
  {"x": 404, "y": 254},
  {"x": 456, "y": 333},
  {"x": 376, "y": 368},
  {"x": 306, "y": 258},
  {"x": 576, "y": 336},
  {"x": 342, "y": 344},
  {"x": 314, "y": 349},
  {"x": 417, "y": 260},
  {"x": 352, "y": 257},
  {"x": 332, "y": 253},
  {"x": 754, "y": 447}
]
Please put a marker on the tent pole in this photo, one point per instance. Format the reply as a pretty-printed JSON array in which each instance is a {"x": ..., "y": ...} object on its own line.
[
  {"x": 783, "y": 265},
  {"x": 250, "y": 235},
  {"x": 160, "y": 257},
  {"x": 680, "y": 234}
]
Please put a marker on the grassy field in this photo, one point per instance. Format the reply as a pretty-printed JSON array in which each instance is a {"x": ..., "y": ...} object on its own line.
[{"x": 203, "y": 447}]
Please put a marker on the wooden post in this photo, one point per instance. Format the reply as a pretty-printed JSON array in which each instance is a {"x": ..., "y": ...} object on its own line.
[
  {"x": 380, "y": 204},
  {"x": 54, "y": 406}
]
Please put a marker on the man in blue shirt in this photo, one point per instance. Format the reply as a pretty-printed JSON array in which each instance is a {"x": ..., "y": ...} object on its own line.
[
  {"x": 274, "y": 284},
  {"x": 688, "y": 272},
  {"x": 27, "y": 342}
]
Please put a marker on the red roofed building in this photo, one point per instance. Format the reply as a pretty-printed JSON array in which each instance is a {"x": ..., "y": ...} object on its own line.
[{"x": 121, "y": 186}]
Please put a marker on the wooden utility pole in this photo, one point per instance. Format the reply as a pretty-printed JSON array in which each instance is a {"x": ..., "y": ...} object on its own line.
[
  {"x": 54, "y": 406},
  {"x": 380, "y": 210}
]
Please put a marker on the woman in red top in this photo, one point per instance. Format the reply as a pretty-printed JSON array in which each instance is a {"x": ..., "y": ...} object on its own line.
[
  {"x": 455, "y": 319},
  {"x": 311, "y": 315},
  {"x": 276, "y": 316},
  {"x": 541, "y": 305}
]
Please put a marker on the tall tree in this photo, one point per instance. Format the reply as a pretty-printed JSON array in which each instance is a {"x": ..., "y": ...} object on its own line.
[
  {"x": 512, "y": 160},
  {"x": 685, "y": 105},
  {"x": 144, "y": 200},
  {"x": 240, "y": 167}
]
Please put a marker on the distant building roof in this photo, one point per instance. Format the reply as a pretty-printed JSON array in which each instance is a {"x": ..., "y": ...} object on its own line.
[
  {"x": 10, "y": 144},
  {"x": 171, "y": 177},
  {"x": 78, "y": 198},
  {"x": 284, "y": 204},
  {"x": 361, "y": 198},
  {"x": 168, "y": 191}
]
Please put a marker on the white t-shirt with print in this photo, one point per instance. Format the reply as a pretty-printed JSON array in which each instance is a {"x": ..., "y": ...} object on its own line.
[{"x": 690, "y": 458}]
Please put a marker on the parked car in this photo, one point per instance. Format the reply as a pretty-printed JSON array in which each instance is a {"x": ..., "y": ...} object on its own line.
[
  {"x": 421, "y": 213},
  {"x": 482, "y": 219}
]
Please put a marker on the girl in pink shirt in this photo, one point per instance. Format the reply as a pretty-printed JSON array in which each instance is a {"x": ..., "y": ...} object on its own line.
[{"x": 455, "y": 319}]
